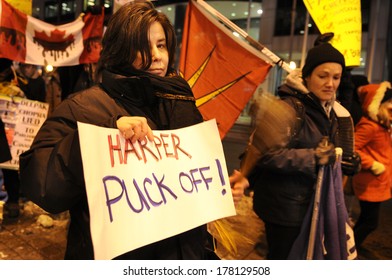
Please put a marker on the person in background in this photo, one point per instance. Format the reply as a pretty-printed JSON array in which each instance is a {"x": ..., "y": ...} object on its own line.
[
  {"x": 9, "y": 80},
  {"x": 5, "y": 155},
  {"x": 9, "y": 85},
  {"x": 138, "y": 91},
  {"x": 373, "y": 184},
  {"x": 286, "y": 174},
  {"x": 26, "y": 79},
  {"x": 53, "y": 89},
  {"x": 355, "y": 108},
  {"x": 348, "y": 96},
  {"x": 31, "y": 82}
]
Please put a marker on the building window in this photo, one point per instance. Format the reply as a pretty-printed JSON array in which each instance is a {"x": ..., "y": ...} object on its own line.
[
  {"x": 283, "y": 18},
  {"x": 60, "y": 11},
  {"x": 67, "y": 7},
  {"x": 51, "y": 10}
]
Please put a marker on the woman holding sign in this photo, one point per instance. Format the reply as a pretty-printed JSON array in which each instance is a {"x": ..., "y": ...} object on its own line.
[{"x": 138, "y": 91}]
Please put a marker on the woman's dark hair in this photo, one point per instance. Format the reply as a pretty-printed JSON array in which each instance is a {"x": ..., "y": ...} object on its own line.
[{"x": 127, "y": 35}]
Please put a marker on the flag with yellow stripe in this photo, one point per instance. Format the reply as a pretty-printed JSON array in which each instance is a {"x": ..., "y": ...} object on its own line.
[{"x": 222, "y": 70}]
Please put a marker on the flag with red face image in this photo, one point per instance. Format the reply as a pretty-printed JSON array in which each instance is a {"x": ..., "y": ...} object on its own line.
[
  {"x": 29, "y": 40},
  {"x": 222, "y": 70}
]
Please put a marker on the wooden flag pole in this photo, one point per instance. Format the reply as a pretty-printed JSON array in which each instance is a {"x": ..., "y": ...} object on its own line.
[{"x": 270, "y": 55}]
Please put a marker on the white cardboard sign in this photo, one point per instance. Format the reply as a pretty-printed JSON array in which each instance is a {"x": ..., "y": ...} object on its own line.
[{"x": 145, "y": 192}]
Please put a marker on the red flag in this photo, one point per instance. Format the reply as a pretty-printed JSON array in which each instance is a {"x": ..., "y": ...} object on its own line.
[
  {"x": 222, "y": 70},
  {"x": 29, "y": 40}
]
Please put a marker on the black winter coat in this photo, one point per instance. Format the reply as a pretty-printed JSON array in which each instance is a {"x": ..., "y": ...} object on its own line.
[
  {"x": 5, "y": 153},
  {"x": 285, "y": 177},
  {"x": 52, "y": 172}
]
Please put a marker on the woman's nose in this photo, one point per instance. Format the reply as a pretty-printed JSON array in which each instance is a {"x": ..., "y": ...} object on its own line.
[
  {"x": 330, "y": 82},
  {"x": 156, "y": 55}
]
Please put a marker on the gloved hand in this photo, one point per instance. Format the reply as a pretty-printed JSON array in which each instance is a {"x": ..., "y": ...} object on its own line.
[
  {"x": 351, "y": 165},
  {"x": 325, "y": 152},
  {"x": 377, "y": 168}
]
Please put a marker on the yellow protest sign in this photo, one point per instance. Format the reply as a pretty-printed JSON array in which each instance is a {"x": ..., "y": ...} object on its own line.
[
  {"x": 24, "y": 6},
  {"x": 343, "y": 18}
]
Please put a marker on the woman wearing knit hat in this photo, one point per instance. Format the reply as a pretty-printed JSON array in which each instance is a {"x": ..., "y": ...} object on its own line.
[
  {"x": 287, "y": 174},
  {"x": 372, "y": 185}
]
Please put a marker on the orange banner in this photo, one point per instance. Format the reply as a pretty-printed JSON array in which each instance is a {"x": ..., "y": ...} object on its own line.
[{"x": 222, "y": 70}]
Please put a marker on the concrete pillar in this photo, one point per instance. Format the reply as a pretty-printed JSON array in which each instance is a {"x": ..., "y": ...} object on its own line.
[{"x": 376, "y": 59}]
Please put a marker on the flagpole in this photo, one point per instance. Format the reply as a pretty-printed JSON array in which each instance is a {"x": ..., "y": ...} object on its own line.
[
  {"x": 292, "y": 27},
  {"x": 369, "y": 68},
  {"x": 305, "y": 41},
  {"x": 249, "y": 16},
  {"x": 270, "y": 55}
]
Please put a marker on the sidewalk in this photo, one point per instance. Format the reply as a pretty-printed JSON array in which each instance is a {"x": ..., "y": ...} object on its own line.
[{"x": 37, "y": 235}]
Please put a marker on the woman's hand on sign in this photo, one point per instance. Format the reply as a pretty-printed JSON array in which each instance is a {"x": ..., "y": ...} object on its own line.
[{"x": 135, "y": 129}]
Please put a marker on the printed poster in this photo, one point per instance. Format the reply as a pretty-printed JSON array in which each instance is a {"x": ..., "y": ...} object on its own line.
[{"x": 22, "y": 119}]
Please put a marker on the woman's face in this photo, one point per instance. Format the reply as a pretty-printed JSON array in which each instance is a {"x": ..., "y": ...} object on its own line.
[
  {"x": 159, "y": 52},
  {"x": 389, "y": 109},
  {"x": 324, "y": 80},
  {"x": 28, "y": 70}
]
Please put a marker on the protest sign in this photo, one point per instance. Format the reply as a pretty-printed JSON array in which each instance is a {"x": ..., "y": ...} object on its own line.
[
  {"x": 343, "y": 18},
  {"x": 22, "y": 119},
  {"x": 144, "y": 192}
]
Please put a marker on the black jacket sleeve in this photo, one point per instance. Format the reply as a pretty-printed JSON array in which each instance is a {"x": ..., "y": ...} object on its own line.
[
  {"x": 51, "y": 171},
  {"x": 5, "y": 154}
]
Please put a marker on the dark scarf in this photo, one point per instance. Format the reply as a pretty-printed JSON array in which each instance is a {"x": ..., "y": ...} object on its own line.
[{"x": 153, "y": 96}]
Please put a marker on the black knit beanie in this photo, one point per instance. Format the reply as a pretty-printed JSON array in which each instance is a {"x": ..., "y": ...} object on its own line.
[{"x": 321, "y": 54}]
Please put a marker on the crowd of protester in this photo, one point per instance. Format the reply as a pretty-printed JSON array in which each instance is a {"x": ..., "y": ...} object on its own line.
[{"x": 285, "y": 180}]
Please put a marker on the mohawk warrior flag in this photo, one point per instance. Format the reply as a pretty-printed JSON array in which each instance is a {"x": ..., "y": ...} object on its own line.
[
  {"x": 29, "y": 40},
  {"x": 222, "y": 70}
]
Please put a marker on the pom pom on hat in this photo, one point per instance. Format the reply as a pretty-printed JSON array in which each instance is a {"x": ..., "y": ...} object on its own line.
[{"x": 320, "y": 54}]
